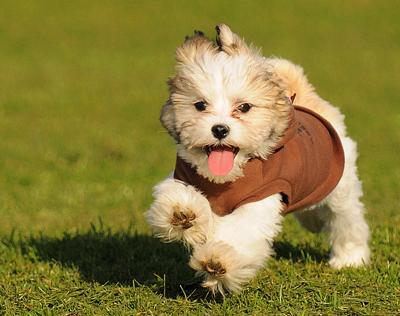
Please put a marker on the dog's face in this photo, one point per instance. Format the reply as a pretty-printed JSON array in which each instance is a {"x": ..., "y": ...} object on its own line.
[{"x": 226, "y": 105}]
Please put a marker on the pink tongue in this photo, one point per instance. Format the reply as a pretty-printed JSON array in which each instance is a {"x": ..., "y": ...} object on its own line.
[{"x": 220, "y": 161}]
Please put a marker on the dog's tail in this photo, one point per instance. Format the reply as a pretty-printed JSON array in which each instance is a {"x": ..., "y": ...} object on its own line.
[{"x": 296, "y": 83}]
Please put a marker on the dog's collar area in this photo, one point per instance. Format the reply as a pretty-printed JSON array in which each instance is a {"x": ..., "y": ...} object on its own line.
[{"x": 290, "y": 130}]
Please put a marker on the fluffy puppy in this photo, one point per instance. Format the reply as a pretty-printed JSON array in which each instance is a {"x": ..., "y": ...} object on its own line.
[{"x": 230, "y": 106}]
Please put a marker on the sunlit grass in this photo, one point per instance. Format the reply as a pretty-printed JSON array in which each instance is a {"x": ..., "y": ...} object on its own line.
[{"x": 81, "y": 86}]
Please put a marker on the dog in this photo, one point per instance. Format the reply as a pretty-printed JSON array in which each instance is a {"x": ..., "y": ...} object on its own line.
[{"x": 230, "y": 111}]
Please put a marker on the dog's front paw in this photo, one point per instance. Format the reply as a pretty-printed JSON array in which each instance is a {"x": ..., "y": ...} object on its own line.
[
  {"x": 350, "y": 255},
  {"x": 182, "y": 217},
  {"x": 179, "y": 212},
  {"x": 222, "y": 267}
]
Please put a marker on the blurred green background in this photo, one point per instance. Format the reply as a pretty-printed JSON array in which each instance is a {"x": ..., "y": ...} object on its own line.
[{"x": 82, "y": 83}]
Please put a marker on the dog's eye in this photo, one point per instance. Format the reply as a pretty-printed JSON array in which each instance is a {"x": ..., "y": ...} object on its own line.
[
  {"x": 245, "y": 107},
  {"x": 200, "y": 106}
]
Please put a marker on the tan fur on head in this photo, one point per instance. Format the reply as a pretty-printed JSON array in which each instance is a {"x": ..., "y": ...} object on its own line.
[
  {"x": 194, "y": 47},
  {"x": 191, "y": 51}
]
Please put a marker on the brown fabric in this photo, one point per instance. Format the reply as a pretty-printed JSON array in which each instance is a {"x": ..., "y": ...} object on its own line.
[{"x": 305, "y": 168}]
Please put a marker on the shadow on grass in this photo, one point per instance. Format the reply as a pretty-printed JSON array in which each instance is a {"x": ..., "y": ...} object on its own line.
[
  {"x": 103, "y": 256},
  {"x": 125, "y": 258},
  {"x": 301, "y": 253}
]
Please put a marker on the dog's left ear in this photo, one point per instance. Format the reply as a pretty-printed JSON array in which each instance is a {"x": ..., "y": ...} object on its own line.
[
  {"x": 194, "y": 47},
  {"x": 230, "y": 42},
  {"x": 167, "y": 119}
]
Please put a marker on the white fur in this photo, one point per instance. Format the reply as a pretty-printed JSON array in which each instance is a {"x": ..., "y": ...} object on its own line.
[
  {"x": 349, "y": 233},
  {"x": 229, "y": 250},
  {"x": 171, "y": 196},
  {"x": 241, "y": 243}
]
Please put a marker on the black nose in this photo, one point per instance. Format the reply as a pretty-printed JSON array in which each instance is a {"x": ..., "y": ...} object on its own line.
[{"x": 220, "y": 131}]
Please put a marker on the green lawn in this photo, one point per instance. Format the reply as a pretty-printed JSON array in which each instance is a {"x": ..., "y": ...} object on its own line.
[{"x": 81, "y": 86}]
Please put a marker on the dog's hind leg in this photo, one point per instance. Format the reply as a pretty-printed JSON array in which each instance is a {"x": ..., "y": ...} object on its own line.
[
  {"x": 241, "y": 243},
  {"x": 348, "y": 229},
  {"x": 179, "y": 213}
]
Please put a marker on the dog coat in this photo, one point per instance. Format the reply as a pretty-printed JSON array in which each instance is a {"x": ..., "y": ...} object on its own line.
[{"x": 304, "y": 168}]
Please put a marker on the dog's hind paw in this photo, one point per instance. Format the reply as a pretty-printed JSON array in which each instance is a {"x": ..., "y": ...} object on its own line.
[{"x": 350, "y": 256}]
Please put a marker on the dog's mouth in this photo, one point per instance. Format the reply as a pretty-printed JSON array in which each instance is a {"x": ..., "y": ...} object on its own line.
[{"x": 220, "y": 159}]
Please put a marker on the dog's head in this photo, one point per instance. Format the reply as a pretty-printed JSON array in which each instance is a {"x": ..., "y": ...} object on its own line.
[{"x": 226, "y": 105}]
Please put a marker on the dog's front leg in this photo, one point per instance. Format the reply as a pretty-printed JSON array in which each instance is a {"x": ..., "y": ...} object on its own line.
[
  {"x": 180, "y": 212},
  {"x": 241, "y": 243}
]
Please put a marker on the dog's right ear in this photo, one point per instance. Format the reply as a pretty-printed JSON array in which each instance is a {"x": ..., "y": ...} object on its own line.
[
  {"x": 230, "y": 42},
  {"x": 167, "y": 119},
  {"x": 193, "y": 46}
]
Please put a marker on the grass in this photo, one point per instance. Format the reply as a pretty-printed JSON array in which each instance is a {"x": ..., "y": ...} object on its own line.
[{"x": 81, "y": 86}]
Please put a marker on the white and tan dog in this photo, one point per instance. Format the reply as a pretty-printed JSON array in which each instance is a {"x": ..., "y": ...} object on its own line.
[{"x": 227, "y": 105}]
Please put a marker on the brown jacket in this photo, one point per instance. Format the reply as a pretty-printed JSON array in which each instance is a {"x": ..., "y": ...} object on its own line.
[{"x": 305, "y": 168}]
